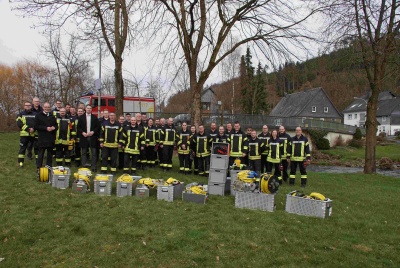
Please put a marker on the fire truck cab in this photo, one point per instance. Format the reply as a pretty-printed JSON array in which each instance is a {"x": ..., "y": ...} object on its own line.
[{"x": 132, "y": 105}]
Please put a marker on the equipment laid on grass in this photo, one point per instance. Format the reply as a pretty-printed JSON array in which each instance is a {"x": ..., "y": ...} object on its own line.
[
  {"x": 124, "y": 185},
  {"x": 315, "y": 204},
  {"x": 82, "y": 181},
  {"x": 195, "y": 192},
  {"x": 171, "y": 190},
  {"x": 60, "y": 177},
  {"x": 255, "y": 200},
  {"x": 44, "y": 174},
  {"x": 103, "y": 184},
  {"x": 150, "y": 183}
]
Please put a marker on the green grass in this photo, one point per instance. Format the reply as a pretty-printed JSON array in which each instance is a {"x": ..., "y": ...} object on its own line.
[
  {"x": 45, "y": 227},
  {"x": 347, "y": 153}
]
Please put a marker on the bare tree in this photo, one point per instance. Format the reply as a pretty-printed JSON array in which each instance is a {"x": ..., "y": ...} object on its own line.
[
  {"x": 230, "y": 68},
  {"x": 106, "y": 19},
  {"x": 375, "y": 25},
  {"x": 71, "y": 66},
  {"x": 199, "y": 28}
]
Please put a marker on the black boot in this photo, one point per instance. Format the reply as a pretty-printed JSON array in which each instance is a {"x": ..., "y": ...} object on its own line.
[
  {"x": 303, "y": 183},
  {"x": 291, "y": 181}
]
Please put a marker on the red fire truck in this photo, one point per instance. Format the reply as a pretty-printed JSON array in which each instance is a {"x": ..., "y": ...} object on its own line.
[{"x": 131, "y": 104}]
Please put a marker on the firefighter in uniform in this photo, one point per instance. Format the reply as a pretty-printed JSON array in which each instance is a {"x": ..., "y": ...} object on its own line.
[
  {"x": 161, "y": 126},
  {"x": 201, "y": 143},
  {"x": 183, "y": 143},
  {"x": 238, "y": 144},
  {"x": 134, "y": 142},
  {"x": 256, "y": 147},
  {"x": 221, "y": 137},
  {"x": 56, "y": 110},
  {"x": 298, "y": 153},
  {"x": 142, "y": 158},
  {"x": 64, "y": 134},
  {"x": 275, "y": 154},
  {"x": 77, "y": 144},
  {"x": 213, "y": 131},
  {"x": 264, "y": 137},
  {"x": 121, "y": 122},
  {"x": 285, "y": 140},
  {"x": 167, "y": 141},
  {"x": 192, "y": 156},
  {"x": 26, "y": 123},
  {"x": 110, "y": 140},
  {"x": 151, "y": 138}
]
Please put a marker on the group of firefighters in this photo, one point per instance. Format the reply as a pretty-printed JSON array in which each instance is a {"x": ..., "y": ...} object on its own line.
[{"x": 69, "y": 133}]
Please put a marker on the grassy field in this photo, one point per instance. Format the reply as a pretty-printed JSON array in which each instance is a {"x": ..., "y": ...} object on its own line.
[
  {"x": 347, "y": 153},
  {"x": 45, "y": 227}
]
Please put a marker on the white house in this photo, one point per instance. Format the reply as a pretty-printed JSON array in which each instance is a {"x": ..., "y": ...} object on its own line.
[{"x": 387, "y": 114}]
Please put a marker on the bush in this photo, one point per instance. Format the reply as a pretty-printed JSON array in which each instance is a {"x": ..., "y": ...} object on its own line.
[
  {"x": 385, "y": 163},
  {"x": 356, "y": 143},
  {"x": 317, "y": 137},
  {"x": 357, "y": 135},
  {"x": 397, "y": 133},
  {"x": 323, "y": 144}
]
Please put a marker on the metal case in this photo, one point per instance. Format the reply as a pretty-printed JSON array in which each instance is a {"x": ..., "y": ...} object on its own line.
[
  {"x": 61, "y": 181},
  {"x": 170, "y": 192},
  {"x": 124, "y": 188},
  {"x": 219, "y": 161},
  {"x": 142, "y": 191},
  {"x": 79, "y": 187},
  {"x": 216, "y": 189},
  {"x": 195, "y": 198},
  {"x": 102, "y": 187},
  {"x": 308, "y": 207},
  {"x": 217, "y": 175},
  {"x": 265, "y": 202}
]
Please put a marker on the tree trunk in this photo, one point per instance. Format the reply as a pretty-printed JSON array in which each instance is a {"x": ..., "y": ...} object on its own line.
[
  {"x": 119, "y": 87},
  {"x": 371, "y": 129}
]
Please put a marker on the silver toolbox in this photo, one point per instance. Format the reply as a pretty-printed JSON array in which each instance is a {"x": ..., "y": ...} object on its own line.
[
  {"x": 195, "y": 198},
  {"x": 265, "y": 202},
  {"x": 142, "y": 191},
  {"x": 60, "y": 181},
  {"x": 216, "y": 188},
  {"x": 170, "y": 192},
  {"x": 102, "y": 187},
  {"x": 219, "y": 161},
  {"x": 308, "y": 207},
  {"x": 124, "y": 188},
  {"x": 79, "y": 187},
  {"x": 217, "y": 175}
]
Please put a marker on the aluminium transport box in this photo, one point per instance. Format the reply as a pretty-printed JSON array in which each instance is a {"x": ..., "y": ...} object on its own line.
[
  {"x": 217, "y": 175},
  {"x": 265, "y": 202},
  {"x": 124, "y": 188},
  {"x": 79, "y": 187},
  {"x": 142, "y": 191},
  {"x": 103, "y": 187},
  {"x": 61, "y": 181},
  {"x": 195, "y": 198},
  {"x": 170, "y": 192},
  {"x": 308, "y": 207},
  {"x": 216, "y": 189},
  {"x": 219, "y": 161}
]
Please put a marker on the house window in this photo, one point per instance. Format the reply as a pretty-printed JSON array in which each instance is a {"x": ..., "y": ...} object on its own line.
[
  {"x": 326, "y": 109},
  {"x": 355, "y": 116},
  {"x": 349, "y": 116},
  {"x": 314, "y": 109},
  {"x": 383, "y": 118}
]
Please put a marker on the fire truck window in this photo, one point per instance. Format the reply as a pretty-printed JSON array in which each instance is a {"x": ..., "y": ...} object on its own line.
[
  {"x": 111, "y": 102},
  {"x": 96, "y": 101}
]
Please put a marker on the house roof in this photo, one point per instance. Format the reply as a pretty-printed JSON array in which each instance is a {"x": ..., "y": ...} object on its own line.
[
  {"x": 207, "y": 95},
  {"x": 293, "y": 104},
  {"x": 388, "y": 106},
  {"x": 360, "y": 105}
]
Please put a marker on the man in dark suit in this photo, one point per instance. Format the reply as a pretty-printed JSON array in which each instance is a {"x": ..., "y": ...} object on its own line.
[
  {"x": 88, "y": 133},
  {"x": 46, "y": 125}
]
